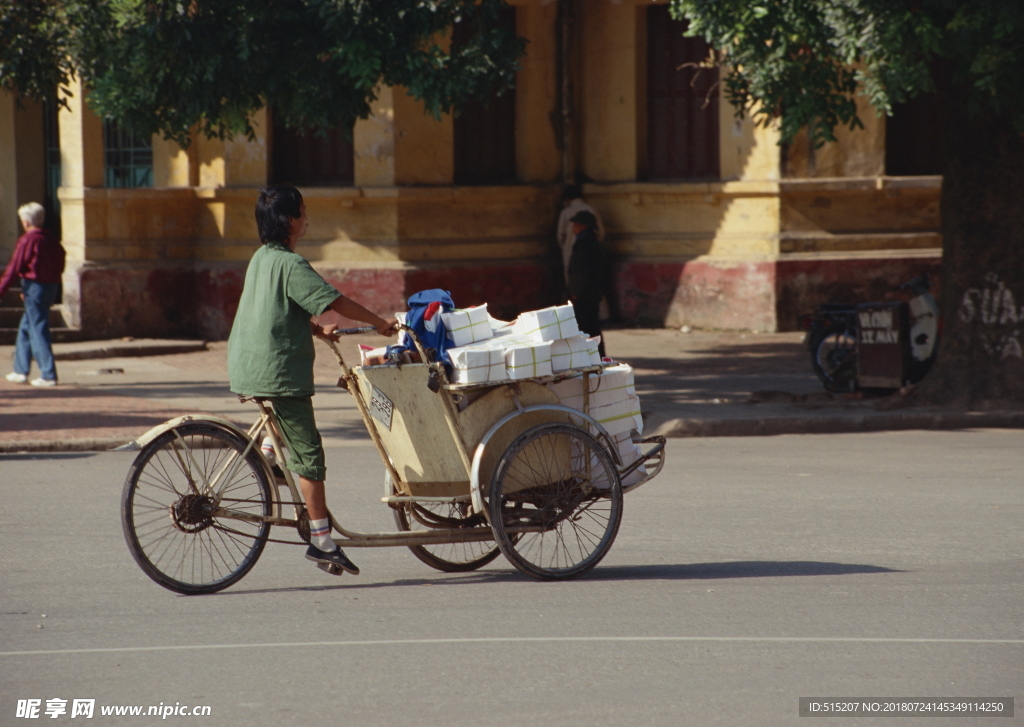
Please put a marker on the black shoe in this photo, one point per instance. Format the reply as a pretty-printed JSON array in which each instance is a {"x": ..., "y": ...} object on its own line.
[{"x": 335, "y": 557}]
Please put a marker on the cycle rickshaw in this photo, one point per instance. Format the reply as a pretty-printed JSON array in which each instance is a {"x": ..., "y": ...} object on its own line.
[{"x": 472, "y": 471}]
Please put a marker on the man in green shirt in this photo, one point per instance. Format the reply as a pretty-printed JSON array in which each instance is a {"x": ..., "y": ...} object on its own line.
[{"x": 270, "y": 350}]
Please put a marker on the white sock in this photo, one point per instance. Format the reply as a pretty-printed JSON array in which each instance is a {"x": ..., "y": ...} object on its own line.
[{"x": 320, "y": 535}]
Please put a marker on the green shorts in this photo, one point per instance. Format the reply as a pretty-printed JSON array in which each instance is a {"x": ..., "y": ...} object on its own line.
[{"x": 295, "y": 416}]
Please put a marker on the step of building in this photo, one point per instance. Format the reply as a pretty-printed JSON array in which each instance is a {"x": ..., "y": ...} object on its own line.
[
  {"x": 63, "y": 334},
  {"x": 11, "y": 318}
]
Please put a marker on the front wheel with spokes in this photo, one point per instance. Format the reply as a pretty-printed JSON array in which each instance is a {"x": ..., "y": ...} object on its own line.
[
  {"x": 193, "y": 508},
  {"x": 555, "y": 502}
]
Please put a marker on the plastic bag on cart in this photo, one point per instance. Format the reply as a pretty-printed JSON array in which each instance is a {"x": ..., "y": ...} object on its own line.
[{"x": 424, "y": 318}]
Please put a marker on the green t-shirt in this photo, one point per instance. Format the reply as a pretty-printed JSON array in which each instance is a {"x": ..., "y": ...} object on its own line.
[{"x": 270, "y": 350}]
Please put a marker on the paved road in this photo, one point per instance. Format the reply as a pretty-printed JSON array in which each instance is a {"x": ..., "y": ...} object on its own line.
[{"x": 754, "y": 571}]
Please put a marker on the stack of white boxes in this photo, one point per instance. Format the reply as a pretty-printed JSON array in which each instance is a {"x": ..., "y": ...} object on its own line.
[
  {"x": 468, "y": 325},
  {"x": 575, "y": 352},
  {"x": 547, "y": 324},
  {"x": 478, "y": 363},
  {"x": 614, "y": 404}
]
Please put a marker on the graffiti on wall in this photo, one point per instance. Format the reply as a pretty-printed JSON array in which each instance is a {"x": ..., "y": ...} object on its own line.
[{"x": 994, "y": 310}]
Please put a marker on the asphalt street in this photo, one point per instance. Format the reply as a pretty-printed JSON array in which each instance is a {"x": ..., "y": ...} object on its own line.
[{"x": 752, "y": 572}]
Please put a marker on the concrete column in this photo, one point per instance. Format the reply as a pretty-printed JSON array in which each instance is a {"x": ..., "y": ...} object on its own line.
[
  {"x": 746, "y": 151},
  {"x": 81, "y": 142},
  {"x": 537, "y": 153},
  {"x": 174, "y": 166},
  {"x": 607, "y": 48},
  {"x": 237, "y": 162},
  {"x": 81, "y": 159},
  {"x": 424, "y": 146},
  {"x": 373, "y": 142}
]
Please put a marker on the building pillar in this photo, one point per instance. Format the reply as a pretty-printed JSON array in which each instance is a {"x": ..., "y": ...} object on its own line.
[
  {"x": 81, "y": 159},
  {"x": 607, "y": 115},
  {"x": 174, "y": 166},
  {"x": 538, "y": 158},
  {"x": 235, "y": 162}
]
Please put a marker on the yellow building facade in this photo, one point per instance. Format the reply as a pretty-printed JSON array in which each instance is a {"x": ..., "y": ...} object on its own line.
[{"x": 749, "y": 235}]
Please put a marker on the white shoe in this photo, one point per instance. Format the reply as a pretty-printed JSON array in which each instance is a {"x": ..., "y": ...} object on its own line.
[
  {"x": 16, "y": 378},
  {"x": 43, "y": 382}
]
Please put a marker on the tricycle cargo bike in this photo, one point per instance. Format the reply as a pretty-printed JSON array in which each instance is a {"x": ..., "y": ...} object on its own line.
[{"x": 472, "y": 471}]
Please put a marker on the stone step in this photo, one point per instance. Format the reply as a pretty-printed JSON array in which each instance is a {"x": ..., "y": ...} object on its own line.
[
  {"x": 8, "y": 336},
  {"x": 11, "y": 318}
]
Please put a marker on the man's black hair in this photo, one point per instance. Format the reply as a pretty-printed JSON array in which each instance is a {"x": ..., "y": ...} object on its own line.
[
  {"x": 571, "y": 192},
  {"x": 276, "y": 207}
]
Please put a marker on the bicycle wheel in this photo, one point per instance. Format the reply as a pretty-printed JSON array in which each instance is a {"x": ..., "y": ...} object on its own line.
[
  {"x": 447, "y": 557},
  {"x": 172, "y": 525},
  {"x": 834, "y": 359},
  {"x": 561, "y": 479}
]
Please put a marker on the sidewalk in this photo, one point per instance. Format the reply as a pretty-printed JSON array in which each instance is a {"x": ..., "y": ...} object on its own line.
[{"x": 696, "y": 384}]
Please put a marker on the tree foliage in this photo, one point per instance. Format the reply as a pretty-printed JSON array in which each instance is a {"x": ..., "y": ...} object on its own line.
[
  {"x": 174, "y": 65},
  {"x": 798, "y": 62}
]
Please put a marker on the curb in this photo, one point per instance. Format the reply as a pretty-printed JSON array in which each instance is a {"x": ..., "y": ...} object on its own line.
[
  {"x": 95, "y": 444},
  {"x": 771, "y": 426},
  {"x": 120, "y": 351}
]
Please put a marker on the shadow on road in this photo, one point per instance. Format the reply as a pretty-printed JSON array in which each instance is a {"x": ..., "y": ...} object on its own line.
[
  {"x": 735, "y": 569},
  {"x": 679, "y": 572}
]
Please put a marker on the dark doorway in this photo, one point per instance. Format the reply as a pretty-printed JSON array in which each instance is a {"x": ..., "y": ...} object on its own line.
[
  {"x": 485, "y": 131},
  {"x": 311, "y": 158},
  {"x": 682, "y": 102}
]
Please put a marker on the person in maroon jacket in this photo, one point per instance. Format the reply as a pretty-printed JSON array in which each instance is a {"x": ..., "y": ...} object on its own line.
[{"x": 39, "y": 261}]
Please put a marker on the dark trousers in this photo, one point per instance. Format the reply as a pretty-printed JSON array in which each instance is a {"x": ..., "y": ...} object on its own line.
[{"x": 588, "y": 318}]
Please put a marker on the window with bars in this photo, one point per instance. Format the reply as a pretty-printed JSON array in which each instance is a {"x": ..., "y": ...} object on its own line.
[
  {"x": 128, "y": 157},
  {"x": 51, "y": 162},
  {"x": 682, "y": 102}
]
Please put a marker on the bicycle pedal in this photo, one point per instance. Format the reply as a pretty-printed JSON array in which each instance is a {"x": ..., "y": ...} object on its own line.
[{"x": 334, "y": 570}]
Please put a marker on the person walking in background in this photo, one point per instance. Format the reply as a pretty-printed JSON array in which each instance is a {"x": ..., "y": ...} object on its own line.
[
  {"x": 587, "y": 274},
  {"x": 39, "y": 261}
]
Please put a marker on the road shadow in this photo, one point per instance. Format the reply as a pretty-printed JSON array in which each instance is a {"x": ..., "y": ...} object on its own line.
[
  {"x": 665, "y": 572},
  {"x": 734, "y": 569},
  {"x": 4, "y": 457}
]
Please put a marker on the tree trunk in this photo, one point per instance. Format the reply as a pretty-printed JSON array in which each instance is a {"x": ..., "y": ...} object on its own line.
[{"x": 981, "y": 351}]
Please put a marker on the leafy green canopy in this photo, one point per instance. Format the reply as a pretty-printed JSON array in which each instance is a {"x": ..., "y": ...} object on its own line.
[
  {"x": 798, "y": 62},
  {"x": 174, "y": 65}
]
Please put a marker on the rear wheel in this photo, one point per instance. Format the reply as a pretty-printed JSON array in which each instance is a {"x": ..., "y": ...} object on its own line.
[
  {"x": 555, "y": 502},
  {"x": 834, "y": 358},
  {"x": 183, "y": 536},
  {"x": 447, "y": 557}
]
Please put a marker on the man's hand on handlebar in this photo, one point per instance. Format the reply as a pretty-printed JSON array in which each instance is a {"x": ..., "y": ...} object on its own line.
[
  {"x": 325, "y": 333},
  {"x": 388, "y": 327}
]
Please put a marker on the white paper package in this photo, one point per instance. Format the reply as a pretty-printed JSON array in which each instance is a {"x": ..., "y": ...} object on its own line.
[
  {"x": 525, "y": 359},
  {"x": 478, "y": 363},
  {"x": 629, "y": 452},
  {"x": 547, "y": 324},
  {"x": 468, "y": 325},
  {"x": 611, "y": 385},
  {"x": 621, "y": 416},
  {"x": 570, "y": 353}
]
